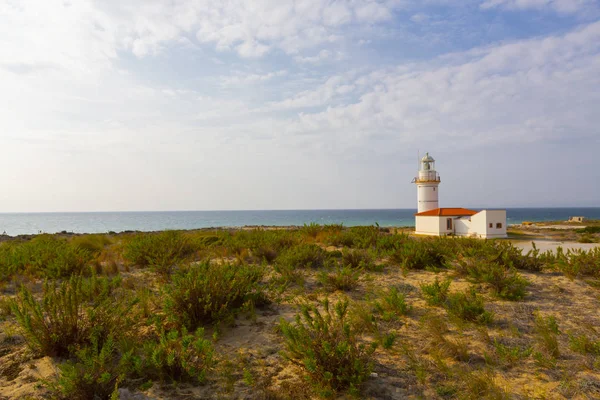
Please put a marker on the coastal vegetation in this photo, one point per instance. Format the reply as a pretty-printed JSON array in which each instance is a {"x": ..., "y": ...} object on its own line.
[{"x": 319, "y": 311}]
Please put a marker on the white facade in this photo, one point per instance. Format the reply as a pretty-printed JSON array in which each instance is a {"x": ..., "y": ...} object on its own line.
[
  {"x": 435, "y": 221},
  {"x": 427, "y": 182},
  {"x": 486, "y": 224}
]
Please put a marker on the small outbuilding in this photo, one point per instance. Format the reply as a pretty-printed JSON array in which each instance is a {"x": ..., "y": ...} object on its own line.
[{"x": 486, "y": 224}]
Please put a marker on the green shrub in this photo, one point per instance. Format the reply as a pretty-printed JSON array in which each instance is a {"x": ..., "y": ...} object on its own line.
[
  {"x": 589, "y": 229},
  {"x": 326, "y": 346},
  {"x": 359, "y": 237},
  {"x": 436, "y": 293},
  {"x": 390, "y": 243},
  {"x": 70, "y": 315},
  {"x": 357, "y": 259},
  {"x": 303, "y": 256},
  {"x": 392, "y": 304},
  {"x": 505, "y": 282},
  {"x": 341, "y": 278},
  {"x": 507, "y": 356},
  {"x": 577, "y": 263},
  {"x": 583, "y": 344},
  {"x": 179, "y": 356},
  {"x": 96, "y": 374},
  {"x": 546, "y": 330},
  {"x": 211, "y": 292},
  {"x": 160, "y": 251},
  {"x": 44, "y": 255},
  {"x": 420, "y": 254},
  {"x": 468, "y": 306},
  {"x": 91, "y": 243}
]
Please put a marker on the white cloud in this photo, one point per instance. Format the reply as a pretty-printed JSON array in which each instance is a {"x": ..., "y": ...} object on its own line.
[
  {"x": 560, "y": 6},
  {"x": 530, "y": 90}
]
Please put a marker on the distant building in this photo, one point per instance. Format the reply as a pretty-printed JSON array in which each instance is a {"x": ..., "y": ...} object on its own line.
[
  {"x": 576, "y": 219},
  {"x": 432, "y": 220}
]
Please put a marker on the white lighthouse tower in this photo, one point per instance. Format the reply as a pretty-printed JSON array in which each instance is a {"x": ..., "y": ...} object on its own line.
[{"x": 427, "y": 183}]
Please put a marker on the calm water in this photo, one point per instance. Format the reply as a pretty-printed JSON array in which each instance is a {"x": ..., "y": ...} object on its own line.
[{"x": 28, "y": 223}]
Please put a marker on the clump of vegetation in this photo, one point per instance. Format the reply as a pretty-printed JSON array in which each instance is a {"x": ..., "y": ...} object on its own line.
[
  {"x": 91, "y": 243},
  {"x": 96, "y": 373},
  {"x": 507, "y": 356},
  {"x": 71, "y": 315},
  {"x": 340, "y": 278},
  {"x": 179, "y": 356},
  {"x": 212, "y": 292},
  {"x": 583, "y": 344},
  {"x": 357, "y": 237},
  {"x": 546, "y": 330},
  {"x": 468, "y": 306},
  {"x": 160, "y": 251},
  {"x": 505, "y": 283},
  {"x": 326, "y": 346},
  {"x": 436, "y": 293},
  {"x": 357, "y": 259},
  {"x": 303, "y": 256},
  {"x": 44, "y": 255},
  {"x": 392, "y": 304},
  {"x": 420, "y": 254}
]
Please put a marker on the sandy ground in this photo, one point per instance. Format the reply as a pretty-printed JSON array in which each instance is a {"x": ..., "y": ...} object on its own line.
[{"x": 545, "y": 245}]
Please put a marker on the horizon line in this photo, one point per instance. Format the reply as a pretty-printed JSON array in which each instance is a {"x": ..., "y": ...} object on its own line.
[{"x": 281, "y": 209}]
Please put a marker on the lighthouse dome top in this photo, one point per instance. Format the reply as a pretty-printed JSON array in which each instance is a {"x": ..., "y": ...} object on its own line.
[{"x": 427, "y": 158}]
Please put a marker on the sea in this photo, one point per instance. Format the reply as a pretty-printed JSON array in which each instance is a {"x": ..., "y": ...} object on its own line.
[{"x": 101, "y": 222}]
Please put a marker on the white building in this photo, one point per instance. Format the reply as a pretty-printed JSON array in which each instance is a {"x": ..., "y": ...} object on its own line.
[{"x": 435, "y": 221}]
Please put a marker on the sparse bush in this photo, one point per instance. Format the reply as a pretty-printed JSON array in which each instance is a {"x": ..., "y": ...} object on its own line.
[
  {"x": 303, "y": 256},
  {"x": 436, "y": 293},
  {"x": 468, "y": 306},
  {"x": 179, "y": 356},
  {"x": 96, "y": 374},
  {"x": 420, "y": 254},
  {"x": 392, "y": 304},
  {"x": 91, "y": 243},
  {"x": 44, "y": 255},
  {"x": 357, "y": 259},
  {"x": 358, "y": 237},
  {"x": 577, "y": 263},
  {"x": 546, "y": 330},
  {"x": 160, "y": 251},
  {"x": 71, "y": 314},
  {"x": 326, "y": 346},
  {"x": 507, "y": 356},
  {"x": 211, "y": 292},
  {"x": 341, "y": 278},
  {"x": 583, "y": 344},
  {"x": 505, "y": 283}
]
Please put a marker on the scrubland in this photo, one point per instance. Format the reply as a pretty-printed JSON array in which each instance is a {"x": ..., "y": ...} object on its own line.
[{"x": 312, "y": 312}]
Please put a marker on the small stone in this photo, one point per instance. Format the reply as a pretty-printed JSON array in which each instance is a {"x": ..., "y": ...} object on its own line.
[{"x": 374, "y": 375}]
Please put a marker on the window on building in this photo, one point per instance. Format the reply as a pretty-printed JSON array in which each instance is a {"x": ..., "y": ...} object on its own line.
[
  {"x": 491, "y": 225},
  {"x": 434, "y": 189},
  {"x": 499, "y": 225},
  {"x": 448, "y": 223}
]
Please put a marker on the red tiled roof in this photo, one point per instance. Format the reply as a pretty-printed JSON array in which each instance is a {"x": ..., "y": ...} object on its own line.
[{"x": 447, "y": 212}]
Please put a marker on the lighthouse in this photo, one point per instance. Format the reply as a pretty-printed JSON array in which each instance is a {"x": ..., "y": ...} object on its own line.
[
  {"x": 427, "y": 183},
  {"x": 434, "y": 221}
]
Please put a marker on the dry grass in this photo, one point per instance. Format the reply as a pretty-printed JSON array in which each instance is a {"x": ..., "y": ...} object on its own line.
[{"x": 432, "y": 342}]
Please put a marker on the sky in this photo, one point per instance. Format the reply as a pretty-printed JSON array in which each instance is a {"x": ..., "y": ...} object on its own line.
[{"x": 119, "y": 105}]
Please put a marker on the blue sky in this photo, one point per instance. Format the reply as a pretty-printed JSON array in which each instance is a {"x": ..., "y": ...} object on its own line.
[{"x": 297, "y": 104}]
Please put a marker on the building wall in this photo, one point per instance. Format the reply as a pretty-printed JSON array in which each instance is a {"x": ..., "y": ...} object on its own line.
[
  {"x": 427, "y": 194},
  {"x": 480, "y": 224},
  {"x": 462, "y": 226},
  {"x": 427, "y": 225}
]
